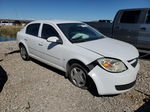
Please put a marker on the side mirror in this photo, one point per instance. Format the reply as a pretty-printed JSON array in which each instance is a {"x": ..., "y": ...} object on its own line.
[{"x": 54, "y": 39}]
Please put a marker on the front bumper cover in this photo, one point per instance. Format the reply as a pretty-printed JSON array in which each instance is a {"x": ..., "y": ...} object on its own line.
[{"x": 114, "y": 83}]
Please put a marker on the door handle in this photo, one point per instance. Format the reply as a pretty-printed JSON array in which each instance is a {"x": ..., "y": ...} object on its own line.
[
  {"x": 143, "y": 29},
  {"x": 26, "y": 39},
  {"x": 40, "y": 44}
]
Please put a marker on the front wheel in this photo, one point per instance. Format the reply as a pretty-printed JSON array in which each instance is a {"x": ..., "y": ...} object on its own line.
[
  {"x": 24, "y": 53},
  {"x": 78, "y": 76}
]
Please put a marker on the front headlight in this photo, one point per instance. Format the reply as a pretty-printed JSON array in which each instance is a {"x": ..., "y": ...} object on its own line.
[{"x": 112, "y": 65}]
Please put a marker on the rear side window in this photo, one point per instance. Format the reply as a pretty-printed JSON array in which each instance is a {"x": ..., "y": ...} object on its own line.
[
  {"x": 33, "y": 29},
  {"x": 148, "y": 18},
  {"x": 48, "y": 31},
  {"x": 130, "y": 16}
]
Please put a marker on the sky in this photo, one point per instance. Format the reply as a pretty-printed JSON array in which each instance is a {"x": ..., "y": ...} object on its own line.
[{"x": 82, "y": 10}]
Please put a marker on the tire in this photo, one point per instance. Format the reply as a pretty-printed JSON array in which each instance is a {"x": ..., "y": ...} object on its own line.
[
  {"x": 78, "y": 76},
  {"x": 24, "y": 53}
]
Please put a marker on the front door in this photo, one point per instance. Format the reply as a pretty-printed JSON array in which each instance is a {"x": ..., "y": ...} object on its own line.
[
  {"x": 126, "y": 29},
  {"x": 52, "y": 52},
  {"x": 144, "y": 33}
]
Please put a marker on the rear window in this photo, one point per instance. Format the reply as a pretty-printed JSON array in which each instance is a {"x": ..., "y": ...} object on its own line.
[
  {"x": 33, "y": 29},
  {"x": 130, "y": 16}
]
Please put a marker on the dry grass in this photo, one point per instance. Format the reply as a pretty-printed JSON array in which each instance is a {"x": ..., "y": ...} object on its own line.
[{"x": 9, "y": 31}]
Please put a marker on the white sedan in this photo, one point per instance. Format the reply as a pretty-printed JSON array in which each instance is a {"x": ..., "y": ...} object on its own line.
[{"x": 82, "y": 53}]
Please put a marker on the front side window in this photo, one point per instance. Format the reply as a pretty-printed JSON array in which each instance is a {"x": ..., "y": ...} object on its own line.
[
  {"x": 48, "y": 31},
  {"x": 130, "y": 17},
  {"x": 79, "y": 32},
  {"x": 148, "y": 18},
  {"x": 33, "y": 29}
]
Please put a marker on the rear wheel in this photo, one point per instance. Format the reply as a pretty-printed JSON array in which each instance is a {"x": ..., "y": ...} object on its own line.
[
  {"x": 78, "y": 76},
  {"x": 24, "y": 53}
]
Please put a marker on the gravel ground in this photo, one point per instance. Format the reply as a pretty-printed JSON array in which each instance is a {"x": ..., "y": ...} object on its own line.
[{"x": 34, "y": 87}]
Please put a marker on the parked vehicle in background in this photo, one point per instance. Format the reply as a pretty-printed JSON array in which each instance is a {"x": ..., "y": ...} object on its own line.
[
  {"x": 83, "y": 53},
  {"x": 129, "y": 25}
]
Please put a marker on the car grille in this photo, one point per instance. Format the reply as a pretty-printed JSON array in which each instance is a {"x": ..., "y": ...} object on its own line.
[{"x": 133, "y": 62}]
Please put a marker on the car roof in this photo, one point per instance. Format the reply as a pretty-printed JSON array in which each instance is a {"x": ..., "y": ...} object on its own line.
[
  {"x": 55, "y": 21},
  {"x": 134, "y": 9}
]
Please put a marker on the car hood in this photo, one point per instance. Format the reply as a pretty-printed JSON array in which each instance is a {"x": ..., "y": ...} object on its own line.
[{"x": 108, "y": 47}]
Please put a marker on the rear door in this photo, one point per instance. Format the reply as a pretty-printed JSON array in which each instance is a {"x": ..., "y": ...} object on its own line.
[
  {"x": 127, "y": 26},
  {"x": 33, "y": 40},
  {"x": 144, "y": 33}
]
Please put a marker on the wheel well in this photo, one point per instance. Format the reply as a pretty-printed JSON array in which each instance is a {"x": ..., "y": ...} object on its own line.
[
  {"x": 21, "y": 44},
  {"x": 93, "y": 88},
  {"x": 70, "y": 62}
]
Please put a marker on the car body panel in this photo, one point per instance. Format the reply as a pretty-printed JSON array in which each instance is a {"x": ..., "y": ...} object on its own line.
[
  {"x": 111, "y": 48},
  {"x": 106, "y": 82},
  {"x": 137, "y": 34},
  {"x": 58, "y": 55}
]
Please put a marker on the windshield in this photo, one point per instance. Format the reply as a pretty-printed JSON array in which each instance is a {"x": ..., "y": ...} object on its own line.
[{"x": 79, "y": 32}]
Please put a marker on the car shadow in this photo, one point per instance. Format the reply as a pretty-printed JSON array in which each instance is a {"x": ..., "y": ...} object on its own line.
[
  {"x": 92, "y": 89},
  {"x": 3, "y": 78},
  {"x": 1, "y": 59},
  {"x": 13, "y": 52},
  {"x": 51, "y": 45},
  {"x": 49, "y": 67},
  {"x": 144, "y": 56},
  {"x": 145, "y": 107}
]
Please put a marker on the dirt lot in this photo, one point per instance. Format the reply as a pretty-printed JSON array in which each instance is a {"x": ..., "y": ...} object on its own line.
[{"x": 30, "y": 86}]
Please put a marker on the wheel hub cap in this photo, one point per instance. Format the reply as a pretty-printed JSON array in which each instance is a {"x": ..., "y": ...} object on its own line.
[{"x": 78, "y": 77}]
